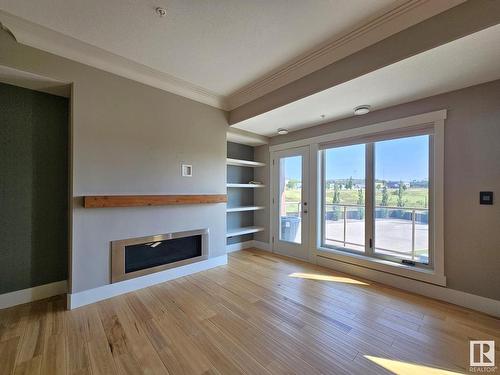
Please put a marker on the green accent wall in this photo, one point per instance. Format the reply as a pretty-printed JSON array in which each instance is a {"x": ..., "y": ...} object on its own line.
[{"x": 33, "y": 188}]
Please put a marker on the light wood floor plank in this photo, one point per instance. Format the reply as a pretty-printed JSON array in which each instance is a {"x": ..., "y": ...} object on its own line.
[
  {"x": 8, "y": 353},
  {"x": 260, "y": 314}
]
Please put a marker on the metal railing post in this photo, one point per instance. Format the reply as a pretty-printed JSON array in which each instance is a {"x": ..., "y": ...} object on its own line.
[
  {"x": 413, "y": 234},
  {"x": 345, "y": 224}
]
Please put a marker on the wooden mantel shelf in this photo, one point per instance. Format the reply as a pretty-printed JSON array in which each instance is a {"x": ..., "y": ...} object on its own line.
[{"x": 149, "y": 200}]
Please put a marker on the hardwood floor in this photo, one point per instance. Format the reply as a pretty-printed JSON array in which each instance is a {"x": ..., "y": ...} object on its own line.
[{"x": 260, "y": 314}]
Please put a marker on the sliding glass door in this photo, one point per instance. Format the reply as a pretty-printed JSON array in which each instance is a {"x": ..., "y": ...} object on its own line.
[{"x": 375, "y": 198}]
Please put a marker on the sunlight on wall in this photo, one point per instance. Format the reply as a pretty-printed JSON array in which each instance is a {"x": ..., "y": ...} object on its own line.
[
  {"x": 337, "y": 279},
  {"x": 399, "y": 367}
]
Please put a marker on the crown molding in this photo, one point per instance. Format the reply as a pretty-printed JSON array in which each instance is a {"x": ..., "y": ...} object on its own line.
[
  {"x": 406, "y": 14},
  {"x": 40, "y": 37}
]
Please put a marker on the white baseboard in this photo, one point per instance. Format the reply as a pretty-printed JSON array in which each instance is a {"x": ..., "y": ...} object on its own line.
[
  {"x": 262, "y": 245},
  {"x": 33, "y": 294},
  {"x": 247, "y": 245},
  {"x": 486, "y": 305},
  {"x": 111, "y": 290},
  {"x": 239, "y": 246}
]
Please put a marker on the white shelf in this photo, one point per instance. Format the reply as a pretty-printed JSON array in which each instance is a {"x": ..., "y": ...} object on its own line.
[
  {"x": 244, "y": 186},
  {"x": 245, "y": 208},
  {"x": 244, "y": 230},
  {"x": 244, "y": 163}
]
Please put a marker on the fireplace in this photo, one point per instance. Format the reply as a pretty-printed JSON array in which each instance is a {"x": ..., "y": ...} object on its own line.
[{"x": 144, "y": 255}]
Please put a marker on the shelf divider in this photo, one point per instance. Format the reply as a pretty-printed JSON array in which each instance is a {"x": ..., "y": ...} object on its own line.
[
  {"x": 243, "y": 230},
  {"x": 245, "y": 163},
  {"x": 245, "y": 186},
  {"x": 244, "y": 208}
]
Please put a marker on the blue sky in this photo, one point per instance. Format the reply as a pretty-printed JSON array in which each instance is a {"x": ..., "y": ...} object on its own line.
[{"x": 400, "y": 159}]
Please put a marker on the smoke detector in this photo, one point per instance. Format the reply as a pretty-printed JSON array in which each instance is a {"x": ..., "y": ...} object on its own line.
[
  {"x": 162, "y": 12},
  {"x": 361, "y": 110},
  {"x": 282, "y": 131}
]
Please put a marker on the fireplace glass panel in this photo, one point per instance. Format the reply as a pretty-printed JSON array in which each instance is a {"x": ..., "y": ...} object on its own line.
[{"x": 151, "y": 254}]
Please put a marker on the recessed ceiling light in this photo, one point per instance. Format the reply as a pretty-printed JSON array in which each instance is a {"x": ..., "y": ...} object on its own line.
[
  {"x": 361, "y": 110},
  {"x": 162, "y": 12},
  {"x": 282, "y": 131}
]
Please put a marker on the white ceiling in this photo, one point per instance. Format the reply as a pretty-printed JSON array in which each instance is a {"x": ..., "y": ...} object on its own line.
[
  {"x": 471, "y": 60},
  {"x": 218, "y": 45}
]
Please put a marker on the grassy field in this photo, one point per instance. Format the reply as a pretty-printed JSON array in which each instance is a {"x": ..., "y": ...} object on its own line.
[{"x": 413, "y": 197}]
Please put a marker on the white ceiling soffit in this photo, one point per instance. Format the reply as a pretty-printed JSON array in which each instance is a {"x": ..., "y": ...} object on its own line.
[
  {"x": 462, "y": 63},
  {"x": 34, "y": 82},
  {"x": 245, "y": 137},
  {"x": 406, "y": 14}
]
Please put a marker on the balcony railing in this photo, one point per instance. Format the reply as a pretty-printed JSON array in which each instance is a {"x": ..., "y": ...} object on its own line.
[
  {"x": 345, "y": 212},
  {"x": 292, "y": 212}
]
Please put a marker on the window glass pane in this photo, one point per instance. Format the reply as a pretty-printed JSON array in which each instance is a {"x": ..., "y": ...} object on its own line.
[
  {"x": 402, "y": 198},
  {"x": 290, "y": 199},
  {"x": 344, "y": 197}
]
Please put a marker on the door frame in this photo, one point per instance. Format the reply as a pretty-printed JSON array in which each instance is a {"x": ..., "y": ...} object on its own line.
[{"x": 318, "y": 255}]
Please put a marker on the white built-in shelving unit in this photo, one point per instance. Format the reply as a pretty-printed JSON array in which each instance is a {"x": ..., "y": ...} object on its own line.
[{"x": 250, "y": 229}]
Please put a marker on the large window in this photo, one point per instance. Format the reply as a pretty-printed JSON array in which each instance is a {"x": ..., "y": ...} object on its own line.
[
  {"x": 375, "y": 198},
  {"x": 344, "y": 197},
  {"x": 402, "y": 199}
]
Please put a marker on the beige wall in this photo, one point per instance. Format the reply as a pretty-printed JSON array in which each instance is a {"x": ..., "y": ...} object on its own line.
[
  {"x": 129, "y": 138},
  {"x": 472, "y": 164}
]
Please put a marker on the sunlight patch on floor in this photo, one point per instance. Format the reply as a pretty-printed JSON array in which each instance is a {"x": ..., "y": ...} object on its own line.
[
  {"x": 406, "y": 368},
  {"x": 316, "y": 276}
]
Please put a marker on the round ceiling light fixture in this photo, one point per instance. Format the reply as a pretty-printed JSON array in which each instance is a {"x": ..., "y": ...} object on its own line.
[
  {"x": 361, "y": 110},
  {"x": 282, "y": 131},
  {"x": 162, "y": 12}
]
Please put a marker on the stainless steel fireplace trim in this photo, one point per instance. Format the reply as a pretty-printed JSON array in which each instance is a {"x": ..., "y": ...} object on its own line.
[{"x": 118, "y": 254}]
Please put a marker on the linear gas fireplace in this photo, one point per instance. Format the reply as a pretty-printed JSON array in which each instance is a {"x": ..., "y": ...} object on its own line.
[{"x": 144, "y": 255}]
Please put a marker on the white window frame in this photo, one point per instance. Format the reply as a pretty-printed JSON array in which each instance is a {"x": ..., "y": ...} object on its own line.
[{"x": 434, "y": 119}]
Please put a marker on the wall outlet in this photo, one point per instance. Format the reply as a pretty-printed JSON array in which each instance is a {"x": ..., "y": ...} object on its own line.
[{"x": 186, "y": 170}]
